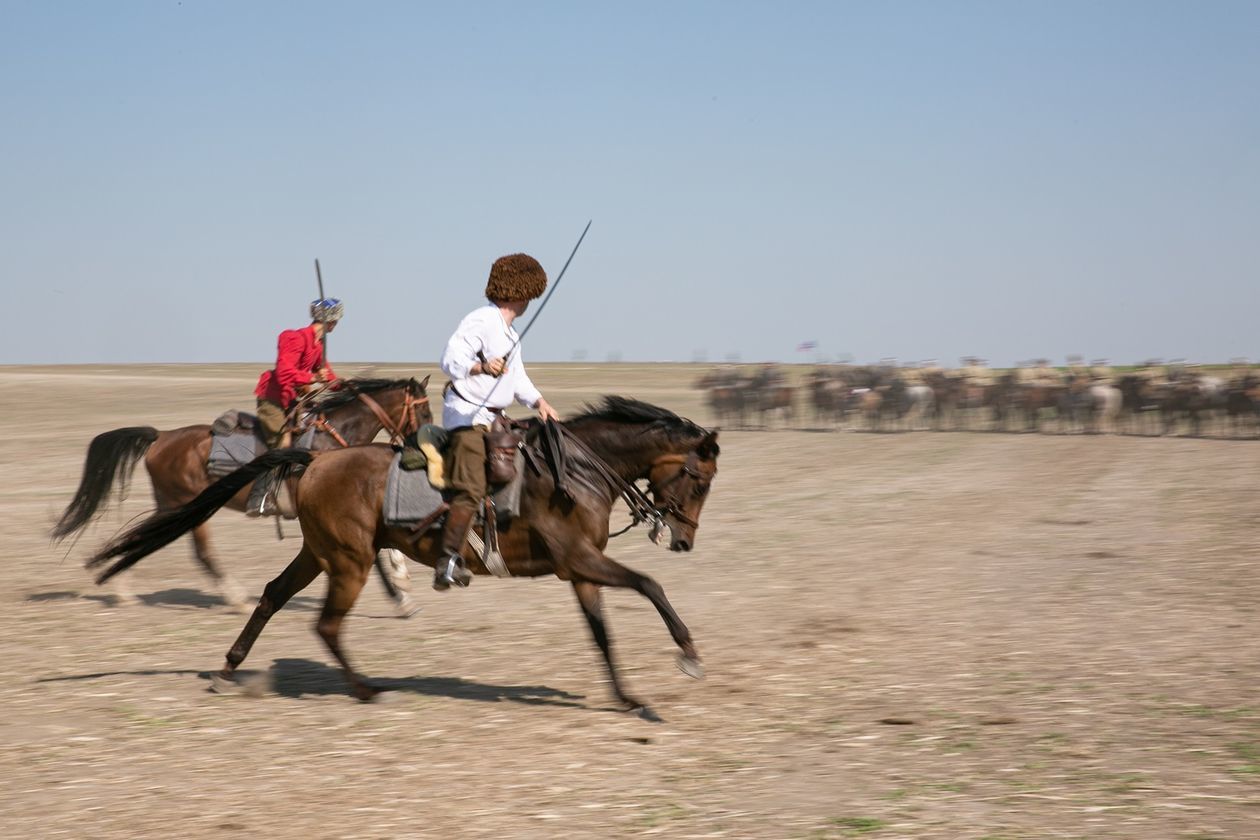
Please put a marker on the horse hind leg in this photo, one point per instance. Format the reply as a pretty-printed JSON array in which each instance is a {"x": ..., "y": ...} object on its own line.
[
  {"x": 295, "y": 577},
  {"x": 343, "y": 590},
  {"x": 591, "y": 602}
]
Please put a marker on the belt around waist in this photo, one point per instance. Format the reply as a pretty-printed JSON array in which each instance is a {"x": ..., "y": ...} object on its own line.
[{"x": 450, "y": 387}]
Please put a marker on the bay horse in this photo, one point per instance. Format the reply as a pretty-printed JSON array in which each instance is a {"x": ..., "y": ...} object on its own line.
[
  {"x": 176, "y": 459},
  {"x": 561, "y": 530}
]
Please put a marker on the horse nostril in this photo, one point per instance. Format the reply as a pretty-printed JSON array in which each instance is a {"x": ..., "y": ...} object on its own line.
[{"x": 682, "y": 545}]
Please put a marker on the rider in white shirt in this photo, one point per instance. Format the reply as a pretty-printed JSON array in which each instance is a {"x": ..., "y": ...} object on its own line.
[{"x": 483, "y": 361}]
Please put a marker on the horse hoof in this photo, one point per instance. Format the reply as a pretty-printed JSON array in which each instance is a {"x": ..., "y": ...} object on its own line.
[
  {"x": 241, "y": 683},
  {"x": 406, "y": 608},
  {"x": 220, "y": 684},
  {"x": 645, "y": 713},
  {"x": 365, "y": 693},
  {"x": 234, "y": 595},
  {"x": 690, "y": 666}
]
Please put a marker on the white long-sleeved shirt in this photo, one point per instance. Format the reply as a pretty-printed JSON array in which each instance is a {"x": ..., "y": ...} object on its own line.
[{"x": 483, "y": 330}]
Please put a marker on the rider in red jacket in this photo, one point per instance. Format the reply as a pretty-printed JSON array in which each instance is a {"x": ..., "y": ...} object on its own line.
[{"x": 299, "y": 362}]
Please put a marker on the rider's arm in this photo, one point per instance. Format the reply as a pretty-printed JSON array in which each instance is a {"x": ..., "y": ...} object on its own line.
[
  {"x": 460, "y": 359},
  {"x": 524, "y": 390}
]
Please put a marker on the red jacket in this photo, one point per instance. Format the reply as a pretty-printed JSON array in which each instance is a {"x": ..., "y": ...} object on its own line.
[{"x": 298, "y": 356}]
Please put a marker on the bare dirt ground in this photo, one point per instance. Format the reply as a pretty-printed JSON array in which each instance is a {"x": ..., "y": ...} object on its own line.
[{"x": 926, "y": 635}]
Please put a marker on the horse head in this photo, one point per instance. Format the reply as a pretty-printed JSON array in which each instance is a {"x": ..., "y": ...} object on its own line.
[
  {"x": 677, "y": 457},
  {"x": 416, "y": 410},
  {"x": 679, "y": 483}
]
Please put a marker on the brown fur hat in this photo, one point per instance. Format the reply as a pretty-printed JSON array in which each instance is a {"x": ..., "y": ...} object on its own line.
[{"x": 516, "y": 277}]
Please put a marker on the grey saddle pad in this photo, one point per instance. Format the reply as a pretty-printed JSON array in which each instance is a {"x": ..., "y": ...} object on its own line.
[
  {"x": 234, "y": 442},
  {"x": 230, "y": 452},
  {"x": 410, "y": 498}
]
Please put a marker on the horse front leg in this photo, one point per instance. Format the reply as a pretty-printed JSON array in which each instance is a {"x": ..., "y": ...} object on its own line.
[
  {"x": 232, "y": 592},
  {"x": 600, "y": 569},
  {"x": 589, "y": 600}
]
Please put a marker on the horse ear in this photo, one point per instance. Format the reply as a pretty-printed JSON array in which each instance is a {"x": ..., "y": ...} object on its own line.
[
  {"x": 708, "y": 447},
  {"x": 424, "y": 383}
]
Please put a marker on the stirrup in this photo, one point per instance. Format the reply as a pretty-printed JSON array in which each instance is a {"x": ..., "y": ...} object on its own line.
[
  {"x": 451, "y": 572},
  {"x": 267, "y": 506}
]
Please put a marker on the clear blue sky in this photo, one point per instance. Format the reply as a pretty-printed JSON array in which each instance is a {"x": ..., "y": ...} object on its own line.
[{"x": 909, "y": 179}]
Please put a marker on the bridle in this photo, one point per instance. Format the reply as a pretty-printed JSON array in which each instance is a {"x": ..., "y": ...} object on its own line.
[
  {"x": 407, "y": 420},
  {"x": 406, "y": 424},
  {"x": 643, "y": 509},
  {"x": 669, "y": 504}
]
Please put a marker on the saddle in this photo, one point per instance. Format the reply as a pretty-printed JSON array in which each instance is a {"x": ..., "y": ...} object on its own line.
[
  {"x": 416, "y": 491},
  {"x": 426, "y": 449},
  {"x": 417, "y": 497},
  {"x": 236, "y": 438}
]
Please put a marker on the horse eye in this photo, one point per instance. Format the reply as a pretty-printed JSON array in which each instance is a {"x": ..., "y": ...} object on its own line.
[{"x": 701, "y": 489}]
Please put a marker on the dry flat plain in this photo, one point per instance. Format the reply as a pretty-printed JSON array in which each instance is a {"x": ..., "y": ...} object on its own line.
[{"x": 926, "y": 635}]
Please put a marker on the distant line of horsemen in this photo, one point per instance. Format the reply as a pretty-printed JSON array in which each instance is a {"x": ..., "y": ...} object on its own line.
[{"x": 1149, "y": 399}]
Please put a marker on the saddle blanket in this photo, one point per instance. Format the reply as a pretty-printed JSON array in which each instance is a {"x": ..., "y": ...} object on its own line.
[
  {"x": 410, "y": 498},
  {"x": 232, "y": 451},
  {"x": 235, "y": 441}
]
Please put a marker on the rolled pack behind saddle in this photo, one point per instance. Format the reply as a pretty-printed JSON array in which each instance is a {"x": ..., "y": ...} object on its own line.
[{"x": 415, "y": 488}]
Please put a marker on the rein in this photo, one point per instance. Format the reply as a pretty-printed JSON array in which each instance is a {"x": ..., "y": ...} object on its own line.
[{"x": 642, "y": 508}]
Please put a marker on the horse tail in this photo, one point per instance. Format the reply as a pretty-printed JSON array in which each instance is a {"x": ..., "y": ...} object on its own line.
[
  {"x": 164, "y": 527},
  {"x": 111, "y": 457}
]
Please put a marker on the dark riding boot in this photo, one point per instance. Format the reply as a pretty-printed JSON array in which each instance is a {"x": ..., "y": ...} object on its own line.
[{"x": 450, "y": 569}]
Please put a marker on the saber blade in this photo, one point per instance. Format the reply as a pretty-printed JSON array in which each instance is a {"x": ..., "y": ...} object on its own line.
[{"x": 554, "y": 285}]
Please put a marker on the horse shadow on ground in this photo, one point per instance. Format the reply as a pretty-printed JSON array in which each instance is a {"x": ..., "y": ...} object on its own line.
[
  {"x": 179, "y": 598},
  {"x": 298, "y": 678},
  {"x": 303, "y": 678},
  {"x": 100, "y": 675}
]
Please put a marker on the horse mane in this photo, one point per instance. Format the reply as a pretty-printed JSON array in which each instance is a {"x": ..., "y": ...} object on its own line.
[
  {"x": 616, "y": 409},
  {"x": 350, "y": 389}
]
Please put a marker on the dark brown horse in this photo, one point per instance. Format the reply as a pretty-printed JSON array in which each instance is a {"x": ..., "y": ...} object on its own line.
[
  {"x": 560, "y": 531},
  {"x": 176, "y": 460}
]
